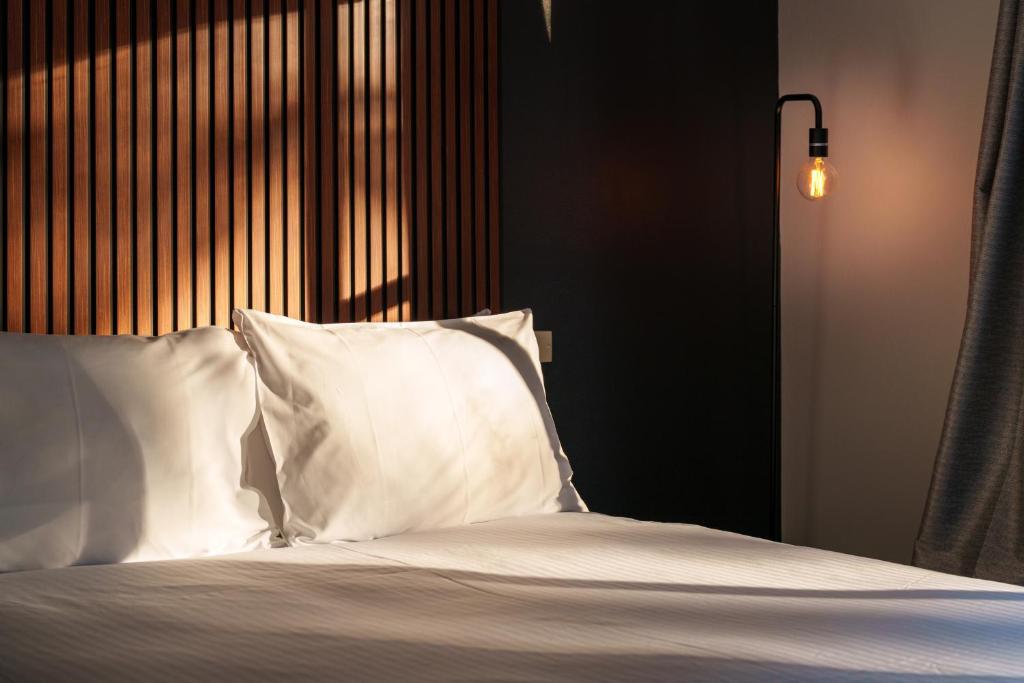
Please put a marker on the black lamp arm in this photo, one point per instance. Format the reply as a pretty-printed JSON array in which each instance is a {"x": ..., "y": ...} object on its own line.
[
  {"x": 817, "y": 137},
  {"x": 801, "y": 97}
]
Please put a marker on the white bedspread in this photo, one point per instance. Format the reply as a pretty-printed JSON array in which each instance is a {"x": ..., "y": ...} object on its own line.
[{"x": 555, "y": 597}]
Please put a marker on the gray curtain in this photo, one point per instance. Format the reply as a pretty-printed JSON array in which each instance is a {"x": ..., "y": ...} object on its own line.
[{"x": 974, "y": 520}]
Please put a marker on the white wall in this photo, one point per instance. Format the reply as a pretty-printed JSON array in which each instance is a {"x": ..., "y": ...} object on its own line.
[{"x": 875, "y": 278}]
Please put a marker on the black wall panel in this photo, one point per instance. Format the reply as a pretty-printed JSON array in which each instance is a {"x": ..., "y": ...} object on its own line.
[{"x": 636, "y": 218}]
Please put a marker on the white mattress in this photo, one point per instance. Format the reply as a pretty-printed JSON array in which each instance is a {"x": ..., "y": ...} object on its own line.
[{"x": 554, "y": 597}]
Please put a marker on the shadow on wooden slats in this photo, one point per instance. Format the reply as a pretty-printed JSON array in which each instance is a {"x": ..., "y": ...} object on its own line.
[{"x": 164, "y": 162}]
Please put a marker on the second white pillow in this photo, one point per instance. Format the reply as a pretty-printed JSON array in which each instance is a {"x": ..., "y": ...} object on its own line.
[{"x": 381, "y": 428}]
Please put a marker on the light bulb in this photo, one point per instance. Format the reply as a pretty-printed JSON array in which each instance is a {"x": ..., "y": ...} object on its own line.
[{"x": 817, "y": 178}]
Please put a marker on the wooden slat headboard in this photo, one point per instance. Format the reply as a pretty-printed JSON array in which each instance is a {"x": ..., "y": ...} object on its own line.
[{"x": 163, "y": 162}]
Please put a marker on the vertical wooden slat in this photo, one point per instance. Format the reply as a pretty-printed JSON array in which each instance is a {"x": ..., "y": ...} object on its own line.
[
  {"x": 164, "y": 165},
  {"x": 144, "y": 290},
  {"x": 480, "y": 155},
  {"x": 37, "y": 132},
  {"x": 257, "y": 152},
  {"x": 38, "y": 211},
  {"x": 203, "y": 286},
  {"x": 392, "y": 246},
  {"x": 183, "y": 163},
  {"x": 465, "y": 126},
  {"x": 314, "y": 65},
  {"x": 15, "y": 169},
  {"x": 422, "y": 126},
  {"x": 342, "y": 96},
  {"x": 60, "y": 233},
  {"x": 375, "y": 56},
  {"x": 103, "y": 213},
  {"x": 292, "y": 115},
  {"x": 240, "y": 169},
  {"x": 81, "y": 172},
  {"x": 405, "y": 128},
  {"x": 437, "y": 286},
  {"x": 321, "y": 134},
  {"x": 221, "y": 182},
  {"x": 275, "y": 132},
  {"x": 123, "y": 167},
  {"x": 4, "y": 31},
  {"x": 493, "y": 199},
  {"x": 359, "y": 171},
  {"x": 451, "y": 161}
]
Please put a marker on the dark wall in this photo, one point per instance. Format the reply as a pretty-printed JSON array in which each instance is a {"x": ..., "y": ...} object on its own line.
[{"x": 636, "y": 218}]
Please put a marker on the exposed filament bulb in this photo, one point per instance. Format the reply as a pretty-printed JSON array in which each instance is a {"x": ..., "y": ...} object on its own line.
[{"x": 816, "y": 179}]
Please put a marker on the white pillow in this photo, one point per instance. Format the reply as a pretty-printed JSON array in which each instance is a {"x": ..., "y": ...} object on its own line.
[
  {"x": 118, "y": 449},
  {"x": 381, "y": 428}
]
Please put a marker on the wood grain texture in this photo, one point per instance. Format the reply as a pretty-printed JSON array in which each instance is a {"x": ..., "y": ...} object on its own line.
[
  {"x": 165, "y": 162},
  {"x": 15, "y": 169},
  {"x": 375, "y": 137},
  {"x": 359, "y": 195},
  {"x": 240, "y": 157},
  {"x": 421, "y": 160},
  {"x": 275, "y": 156},
  {"x": 3, "y": 161},
  {"x": 15, "y": 224},
  {"x": 312, "y": 159},
  {"x": 221, "y": 150},
  {"x": 406, "y": 128},
  {"x": 435, "y": 49},
  {"x": 257, "y": 155},
  {"x": 104, "y": 304},
  {"x": 292, "y": 117},
  {"x": 81, "y": 173},
  {"x": 183, "y": 210},
  {"x": 60, "y": 305},
  {"x": 341, "y": 142},
  {"x": 124, "y": 168},
  {"x": 145, "y": 292},
  {"x": 321, "y": 136},
  {"x": 163, "y": 198},
  {"x": 392, "y": 240},
  {"x": 202, "y": 117},
  {"x": 38, "y": 207}
]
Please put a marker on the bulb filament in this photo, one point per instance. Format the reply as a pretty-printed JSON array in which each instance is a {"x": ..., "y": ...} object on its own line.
[{"x": 817, "y": 179}]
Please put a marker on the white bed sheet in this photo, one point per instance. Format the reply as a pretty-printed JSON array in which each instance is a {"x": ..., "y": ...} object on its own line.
[{"x": 569, "y": 596}]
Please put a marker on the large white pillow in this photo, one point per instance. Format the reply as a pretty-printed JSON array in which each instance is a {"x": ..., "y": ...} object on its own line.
[
  {"x": 381, "y": 428},
  {"x": 118, "y": 449}
]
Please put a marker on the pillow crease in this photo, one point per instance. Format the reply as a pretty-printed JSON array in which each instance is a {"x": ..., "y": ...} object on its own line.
[
  {"x": 191, "y": 447},
  {"x": 455, "y": 418},
  {"x": 79, "y": 451},
  {"x": 382, "y": 488}
]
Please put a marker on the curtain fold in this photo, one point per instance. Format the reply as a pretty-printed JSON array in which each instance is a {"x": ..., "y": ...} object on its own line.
[{"x": 973, "y": 523}]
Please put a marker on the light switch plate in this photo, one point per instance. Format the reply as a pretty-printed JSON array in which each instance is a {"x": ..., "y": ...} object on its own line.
[{"x": 545, "y": 343}]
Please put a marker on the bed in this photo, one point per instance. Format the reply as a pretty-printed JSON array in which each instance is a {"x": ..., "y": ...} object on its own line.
[
  {"x": 428, "y": 524},
  {"x": 563, "y": 596}
]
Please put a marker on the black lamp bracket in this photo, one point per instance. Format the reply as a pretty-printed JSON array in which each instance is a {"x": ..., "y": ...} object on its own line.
[{"x": 817, "y": 137}]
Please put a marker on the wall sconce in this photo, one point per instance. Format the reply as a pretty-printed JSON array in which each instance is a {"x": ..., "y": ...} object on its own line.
[{"x": 815, "y": 180}]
